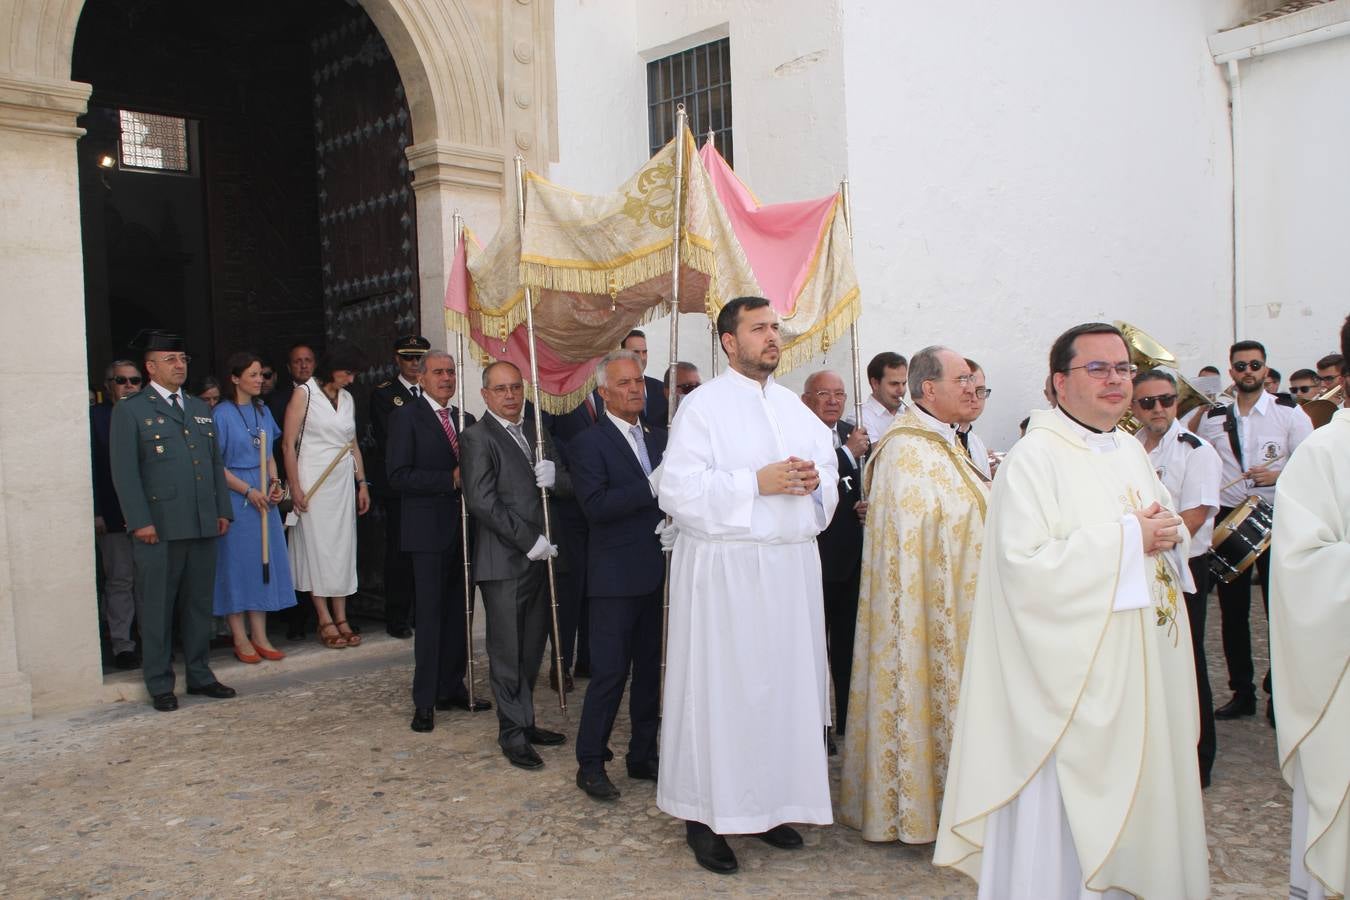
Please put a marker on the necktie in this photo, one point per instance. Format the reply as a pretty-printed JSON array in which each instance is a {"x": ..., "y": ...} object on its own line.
[
  {"x": 643, "y": 458},
  {"x": 448, "y": 429},
  {"x": 416, "y": 392},
  {"x": 964, "y": 438},
  {"x": 518, "y": 433},
  {"x": 173, "y": 401}
]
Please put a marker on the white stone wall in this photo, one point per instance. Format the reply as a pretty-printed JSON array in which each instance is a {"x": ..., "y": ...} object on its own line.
[
  {"x": 1294, "y": 199},
  {"x": 1015, "y": 168}
]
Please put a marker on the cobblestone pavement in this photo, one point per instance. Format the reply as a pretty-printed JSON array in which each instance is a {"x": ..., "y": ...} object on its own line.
[{"x": 311, "y": 784}]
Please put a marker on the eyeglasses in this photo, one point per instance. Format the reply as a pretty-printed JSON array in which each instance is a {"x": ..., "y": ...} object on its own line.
[
  {"x": 983, "y": 393},
  {"x": 172, "y": 359},
  {"x": 1149, "y": 402},
  {"x": 1328, "y": 379},
  {"x": 832, "y": 395},
  {"x": 501, "y": 390},
  {"x": 687, "y": 387},
  {"x": 127, "y": 379},
  {"x": 1099, "y": 370},
  {"x": 1302, "y": 388},
  {"x": 1243, "y": 365},
  {"x": 268, "y": 374}
]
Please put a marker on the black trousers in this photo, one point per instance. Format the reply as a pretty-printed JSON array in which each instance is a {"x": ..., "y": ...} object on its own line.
[
  {"x": 1207, "y": 747},
  {"x": 439, "y": 649},
  {"x": 625, "y": 634},
  {"x": 1235, "y": 611},
  {"x": 841, "y": 617},
  {"x": 571, "y": 535},
  {"x": 399, "y": 590}
]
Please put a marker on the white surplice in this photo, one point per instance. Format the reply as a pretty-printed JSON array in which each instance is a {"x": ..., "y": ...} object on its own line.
[
  {"x": 1310, "y": 654},
  {"x": 745, "y": 702},
  {"x": 1073, "y": 763}
]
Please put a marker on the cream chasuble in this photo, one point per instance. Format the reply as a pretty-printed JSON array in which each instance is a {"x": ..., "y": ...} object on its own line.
[
  {"x": 921, "y": 557},
  {"x": 1310, "y": 652},
  {"x": 745, "y": 706},
  {"x": 1078, "y": 703}
]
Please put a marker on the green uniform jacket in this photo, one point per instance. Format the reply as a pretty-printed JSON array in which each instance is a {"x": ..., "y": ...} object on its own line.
[{"x": 166, "y": 466}]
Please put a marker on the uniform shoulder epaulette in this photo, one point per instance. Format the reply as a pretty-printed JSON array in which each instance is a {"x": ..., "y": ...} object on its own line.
[
  {"x": 383, "y": 384},
  {"x": 1285, "y": 399},
  {"x": 1189, "y": 439},
  {"x": 1216, "y": 412}
]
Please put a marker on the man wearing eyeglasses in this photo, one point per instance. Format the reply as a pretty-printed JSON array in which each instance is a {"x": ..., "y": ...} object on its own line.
[
  {"x": 1072, "y": 763},
  {"x": 1254, "y": 435},
  {"x": 1304, "y": 385},
  {"x": 170, "y": 481},
  {"x": 687, "y": 379},
  {"x": 965, "y": 432},
  {"x": 122, "y": 380},
  {"x": 1190, "y": 470},
  {"x": 1329, "y": 373}
]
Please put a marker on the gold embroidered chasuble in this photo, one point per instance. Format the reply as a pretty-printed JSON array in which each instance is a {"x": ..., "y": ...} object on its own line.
[
  {"x": 1310, "y": 645},
  {"x": 1053, "y": 676},
  {"x": 921, "y": 555}
]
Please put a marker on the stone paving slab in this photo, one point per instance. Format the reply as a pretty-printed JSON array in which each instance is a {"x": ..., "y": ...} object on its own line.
[{"x": 310, "y": 784}]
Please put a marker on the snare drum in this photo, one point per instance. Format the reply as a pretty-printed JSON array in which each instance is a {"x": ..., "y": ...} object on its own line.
[{"x": 1242, "y": 536}]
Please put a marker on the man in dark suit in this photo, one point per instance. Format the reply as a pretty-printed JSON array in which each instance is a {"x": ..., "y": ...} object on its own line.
[
  {"x": 841, "y": 543},
  {"x": 611, "y": 466},
  {"x": 170, "y": 482},
  {"x": 384, "y": 401},
  {"x": 422, "y": 463},
  {"x": 122, "y": 380},
  {"x": 655, "y": 408},
  {"x": 501, "y": 482}
]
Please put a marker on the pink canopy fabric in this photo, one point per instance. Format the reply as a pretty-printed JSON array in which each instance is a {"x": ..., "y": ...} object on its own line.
[{"x": 779, "y": 240}]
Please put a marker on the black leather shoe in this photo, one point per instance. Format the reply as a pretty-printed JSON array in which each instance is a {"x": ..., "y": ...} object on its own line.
[
  {"x": 1241, "y": 705},
  {"x": 126, "y": 660},
  {"x": 164, "y": 702},
  {"x": 644, "y": 771},
  {"x": 523, "y": 757},
  {"x": 784, "y": 837},
  {"x": 424, "y": 719},
  {"x": 463, "y": 703},
  {"x": 215, "y": 690},
  {"x": 544, "y": 737},
  {"x": 1270, "y": 712},
  {"x": 402, "y": 632},
  {"x": 597, "y": 785},
  {"x": 712, "y": 852}
]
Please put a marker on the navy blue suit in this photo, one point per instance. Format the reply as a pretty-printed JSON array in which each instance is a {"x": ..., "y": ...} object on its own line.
[
  {"x": 420, "y": 465},
  {"x": 841, "y": 571},
  {"x": 625, "y": 571}
]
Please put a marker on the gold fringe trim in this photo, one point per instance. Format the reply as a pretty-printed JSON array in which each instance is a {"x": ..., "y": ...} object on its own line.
[
  {"x": 458, "y": 323},
  {"x": 604, "y": 282}
]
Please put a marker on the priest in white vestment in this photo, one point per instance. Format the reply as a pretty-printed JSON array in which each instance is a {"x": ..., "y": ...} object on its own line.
[
  {"x": 921, "y": 556},
  {"x": 749, "y": 477},
  {"x": 1073, "y": 763},
  {"x": 1310, "y": 653}
]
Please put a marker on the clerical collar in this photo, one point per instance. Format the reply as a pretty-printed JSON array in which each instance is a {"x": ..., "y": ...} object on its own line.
[
  {"x": 933, "y": 423},
  {"x": 748, "y": 381},
  {"x": 1081, "y": 424},
  {"x": 1093, "y": 438}
]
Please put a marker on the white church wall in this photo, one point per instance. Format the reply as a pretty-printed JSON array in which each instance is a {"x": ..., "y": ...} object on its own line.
[{"x": 1294, "y": 141}]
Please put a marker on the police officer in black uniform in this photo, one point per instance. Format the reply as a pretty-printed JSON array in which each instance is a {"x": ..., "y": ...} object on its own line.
[{"x": 409, "y": 351}]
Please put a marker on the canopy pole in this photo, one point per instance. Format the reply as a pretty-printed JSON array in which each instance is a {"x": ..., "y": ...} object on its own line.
[
  {"x": 853, "y": 326},
  {"x": 680, "y": 128},
  {"x": 539, "y": 444},
  {"x": 458, "y": 230}
]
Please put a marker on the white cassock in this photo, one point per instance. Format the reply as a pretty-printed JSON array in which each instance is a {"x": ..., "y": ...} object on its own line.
[
  {"x": 1310, "y": 655},
  {"x": 1073, "y": 762},
  {"x": 745, "y": 706}
]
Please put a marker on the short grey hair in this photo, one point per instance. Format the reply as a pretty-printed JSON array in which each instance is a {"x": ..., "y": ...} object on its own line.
[
  {"x": 680, "y": 366},
  {"x": 926, "y": 365},
  {"x": 117, "y": 364},
  {"x": 602, "y": 370},
  {"x": 437, "y": 354}
]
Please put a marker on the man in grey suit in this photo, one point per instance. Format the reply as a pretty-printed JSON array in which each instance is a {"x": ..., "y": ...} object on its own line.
[{"x": 501, "y": 482}]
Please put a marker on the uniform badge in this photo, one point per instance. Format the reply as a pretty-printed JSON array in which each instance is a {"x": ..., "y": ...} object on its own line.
[
  {"x": 149, "y": 422},
  {"x": 159, "y": 448},
  {"x": 1270, "y": 451},
  {"x": 159, "y": 421},
  {"x": 398, "y": 401}
]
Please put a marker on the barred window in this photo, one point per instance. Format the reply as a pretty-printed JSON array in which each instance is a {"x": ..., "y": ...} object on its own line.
[
  {"x": 699, "y": 78},
  {"x": 151, "y": 141}
]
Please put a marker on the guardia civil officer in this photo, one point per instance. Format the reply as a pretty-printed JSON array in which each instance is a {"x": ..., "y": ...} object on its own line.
[{"x": 170, "y": 482}]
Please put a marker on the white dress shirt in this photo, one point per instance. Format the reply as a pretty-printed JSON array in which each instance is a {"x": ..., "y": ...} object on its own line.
[
  {"x": 1191, "y": 475},
  {"x": 1269, "y": 434}
]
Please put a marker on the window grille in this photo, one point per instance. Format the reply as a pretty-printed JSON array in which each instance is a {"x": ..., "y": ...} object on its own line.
[
  {"x": 156, "y": 142},
  {"x": 700, "y": 78}
]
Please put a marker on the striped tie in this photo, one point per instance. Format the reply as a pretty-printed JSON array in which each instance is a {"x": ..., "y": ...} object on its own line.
[{"x": 449, "y": 429}]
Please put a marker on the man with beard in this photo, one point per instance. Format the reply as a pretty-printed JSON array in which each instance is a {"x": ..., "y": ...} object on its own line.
[
  {"x": 1255, "y": 435},
  {"x": 749, "y": 478}
]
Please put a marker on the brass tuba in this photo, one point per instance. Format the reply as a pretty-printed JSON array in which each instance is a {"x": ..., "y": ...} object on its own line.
[
  {"x": 1322, "y": 407},
  {"x": 1146, "y": 353}
]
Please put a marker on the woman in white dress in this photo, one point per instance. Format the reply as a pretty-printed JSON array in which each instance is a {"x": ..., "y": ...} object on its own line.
[{"x": 321, "y": 419}]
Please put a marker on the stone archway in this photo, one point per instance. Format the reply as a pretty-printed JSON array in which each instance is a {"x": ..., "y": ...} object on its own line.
[{"x": 49, "y": 653}]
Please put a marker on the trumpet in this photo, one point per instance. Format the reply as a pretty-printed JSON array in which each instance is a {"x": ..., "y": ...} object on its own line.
[
  {"x": 1322, "y": 407},
  {"x": 1146, "y": 353}
]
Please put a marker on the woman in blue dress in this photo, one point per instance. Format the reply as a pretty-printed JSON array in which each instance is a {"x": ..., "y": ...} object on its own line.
[{"x": 246, "y": 432}]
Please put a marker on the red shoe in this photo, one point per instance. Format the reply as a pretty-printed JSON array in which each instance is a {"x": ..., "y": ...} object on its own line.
[
  {"x": 269, "y": 652},
  {"x": 250, "y": 658}
]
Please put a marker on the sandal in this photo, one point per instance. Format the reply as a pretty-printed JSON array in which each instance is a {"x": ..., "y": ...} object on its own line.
[
  {"x": 353, "y": 639},
  {"x": 337, "y": 641}
]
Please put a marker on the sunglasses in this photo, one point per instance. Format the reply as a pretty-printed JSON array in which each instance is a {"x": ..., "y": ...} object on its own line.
[
  {"x": 1302, "y": 388},
  {"x": 268, "y": 373},
  {"x": 688, "y": 388},
  {"x": 1149, "y": 402},
  {"x": 1255, "y": 365},
  {"x": 127, "y": 379}
]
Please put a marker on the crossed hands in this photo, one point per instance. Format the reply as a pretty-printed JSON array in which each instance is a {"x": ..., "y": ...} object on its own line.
[
  {"x": 791, "y": 476},
  {"x": 1158, "y": 528}
]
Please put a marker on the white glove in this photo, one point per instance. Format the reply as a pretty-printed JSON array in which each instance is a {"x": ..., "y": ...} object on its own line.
[
  {"x": 542, "y": 549},
  {"x": 667, "y": 531},
  {"x": 545, "y": 473}
]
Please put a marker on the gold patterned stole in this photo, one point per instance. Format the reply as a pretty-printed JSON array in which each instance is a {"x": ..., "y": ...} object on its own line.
[{"x": 971, "y": 477}]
